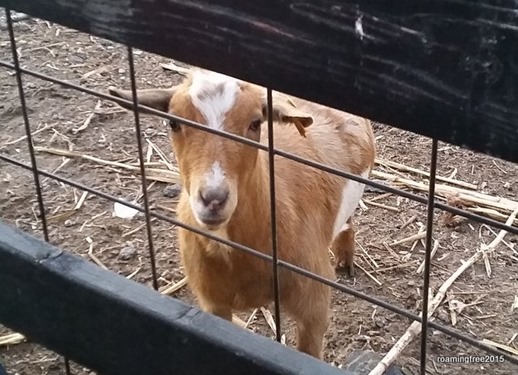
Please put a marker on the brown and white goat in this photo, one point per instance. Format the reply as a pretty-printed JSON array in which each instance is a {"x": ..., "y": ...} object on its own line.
[{"x": 226, "y": 190}]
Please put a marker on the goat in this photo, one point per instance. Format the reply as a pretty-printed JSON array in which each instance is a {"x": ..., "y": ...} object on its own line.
[{"x": 226, "y": 191}]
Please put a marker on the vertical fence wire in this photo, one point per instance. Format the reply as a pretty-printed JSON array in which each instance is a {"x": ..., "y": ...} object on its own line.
[
  {"x": 34, "y": 165},
  {"x": 273, "y": 215},
  {"x": 23, "y": 105},
  {"x": 131, "y": 64},
  {"x": 427, "y": 261},
  {"x": 67, "y": 366}
]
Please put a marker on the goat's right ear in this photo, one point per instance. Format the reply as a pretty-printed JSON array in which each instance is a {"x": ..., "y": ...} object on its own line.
[
  {"x": 285, "y": 110},
  {"x": 155, "y": 98}
]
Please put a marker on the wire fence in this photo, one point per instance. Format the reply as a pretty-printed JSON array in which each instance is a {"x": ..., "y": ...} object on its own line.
[{"x": 277, "y": 263}]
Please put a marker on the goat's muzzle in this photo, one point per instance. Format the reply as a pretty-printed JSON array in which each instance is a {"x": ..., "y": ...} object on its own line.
[{"x": 210, "y": 204}]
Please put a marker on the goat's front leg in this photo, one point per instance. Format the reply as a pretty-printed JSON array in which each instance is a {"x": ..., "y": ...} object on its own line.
[
  {"x": 222, "y": 311},
  {"x": 343, "y": 247},
  {"x": 225, "y": 313},
  {"x": 312, "y": 319}
]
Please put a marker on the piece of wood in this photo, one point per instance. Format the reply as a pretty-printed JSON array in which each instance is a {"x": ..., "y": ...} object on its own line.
[
  {"x": 406, "y": 168},
  {"x": 445, "y": 69},
  {"x": 500, "y": 203},
  {"x": 65, "y": 303},
  {"x": 12, "y": 339}
]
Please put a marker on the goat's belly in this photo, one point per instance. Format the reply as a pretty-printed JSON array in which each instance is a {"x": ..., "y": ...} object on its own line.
[{"x": 351, "y": 195}]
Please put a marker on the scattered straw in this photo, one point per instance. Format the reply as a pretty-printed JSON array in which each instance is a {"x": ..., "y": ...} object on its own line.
[
  {"x": 45, "y": 127},
  {"x": 434, "y": 250},
  {"x": 162, "y": 156},
  {"x": 368, "y": 274},
  {"x": 166, "y": 208},
  {"x": 380, "y": 197},
  {"x": 498, "y": 203},
  {"x": 408, "y": 222},
  {"x": 415, "y": 327},
  {"x": 131, "y": 275},
  {"x": 405, "y": 168},
  {"x": 412, "y": 238},
  {"x": 153, "y": 174},
  {"x": 133, "y": 231},
  {"x": 91, "y": 253},
  {"x": 175, "y": 287},
  {"x": 375, "y": 204},
  {"x": 271, "y": 322},
  {"x": 499, "y": 167},
  {"x": 402, "y": 265},
  {"x": 500, "y": 346},
  {"x": 88, "y": 120},
  {"x": 515, "y": 303},
  {"x": 250, "y": 318},
  {"x": 175, "y": 68},
  {"x": 367, "y": 254},
  {"x": 81, "y": 201}
]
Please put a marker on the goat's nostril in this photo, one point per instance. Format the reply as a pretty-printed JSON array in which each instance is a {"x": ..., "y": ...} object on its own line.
[{"x": 213, "y": 198}]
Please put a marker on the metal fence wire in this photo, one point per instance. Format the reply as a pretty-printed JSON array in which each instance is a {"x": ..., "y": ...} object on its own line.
[{"x": 430, "y": 201}]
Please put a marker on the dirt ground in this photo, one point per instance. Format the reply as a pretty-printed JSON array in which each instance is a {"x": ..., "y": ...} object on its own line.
[{"x": 57, "y": 113}]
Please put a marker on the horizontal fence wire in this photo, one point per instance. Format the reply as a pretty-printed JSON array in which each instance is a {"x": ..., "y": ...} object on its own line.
[
  {"x": 430, "y": 201},
  {"x": 287, "y": 155},
  {"x": 334, "y": 284}
]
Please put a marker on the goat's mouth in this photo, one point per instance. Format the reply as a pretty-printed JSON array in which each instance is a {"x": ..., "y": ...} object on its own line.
[{"x": 212, "y": 223}]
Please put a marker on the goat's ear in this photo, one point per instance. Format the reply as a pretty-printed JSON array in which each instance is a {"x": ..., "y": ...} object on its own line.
[
  {"x": 285, "y": 110},
  {"x": 155, "y": 98}
]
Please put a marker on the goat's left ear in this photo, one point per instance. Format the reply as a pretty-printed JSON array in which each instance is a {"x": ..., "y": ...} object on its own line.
[
  {"x": 155, "y": 98},
  {"x": 285, "y": 110}
]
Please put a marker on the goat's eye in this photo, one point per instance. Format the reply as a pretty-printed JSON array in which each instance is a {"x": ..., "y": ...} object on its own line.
[
  {"x": 175, "y": 125},
  {"x": 255, "y": 125}
]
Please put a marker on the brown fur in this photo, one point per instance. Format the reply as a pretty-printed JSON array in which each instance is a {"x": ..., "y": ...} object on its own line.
[{"x": 307, "y": 199}]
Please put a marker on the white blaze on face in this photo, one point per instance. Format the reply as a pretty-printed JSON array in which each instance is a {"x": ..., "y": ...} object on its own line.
[
  {"x": 213, "y": 94},
  {"x": 351, "y": 195},
  {"x": 216, "y": 176}
]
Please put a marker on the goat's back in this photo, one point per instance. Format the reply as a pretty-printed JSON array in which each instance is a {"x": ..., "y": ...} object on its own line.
[{"x": 321, "y": 202}]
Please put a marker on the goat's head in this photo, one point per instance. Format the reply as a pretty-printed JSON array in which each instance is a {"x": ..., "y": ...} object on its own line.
[{"x": 214, "y": 168}]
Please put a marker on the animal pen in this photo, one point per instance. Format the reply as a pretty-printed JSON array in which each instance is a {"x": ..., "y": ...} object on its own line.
[{"x": 447, "y": 70}]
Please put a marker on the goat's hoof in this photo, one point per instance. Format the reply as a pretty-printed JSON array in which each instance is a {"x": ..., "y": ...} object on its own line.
[
  {"x": 346, "y": 266},
  {"x": 350, "y": 270}
]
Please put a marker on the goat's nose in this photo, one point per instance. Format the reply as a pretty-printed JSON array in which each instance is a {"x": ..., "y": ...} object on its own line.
[{"x": 214, "y": 199}]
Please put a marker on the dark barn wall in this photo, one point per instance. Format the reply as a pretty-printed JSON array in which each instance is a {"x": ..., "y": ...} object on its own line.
[{"x": 442, "y": 68}]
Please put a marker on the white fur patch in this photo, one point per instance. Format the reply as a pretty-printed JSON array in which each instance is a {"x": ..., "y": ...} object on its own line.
[
  {"x": 351, "y": 195},
  {"x": 213, "y": 94},
  {"x": 216, "y": 176},
  {"x": 196, "y": 206}
]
